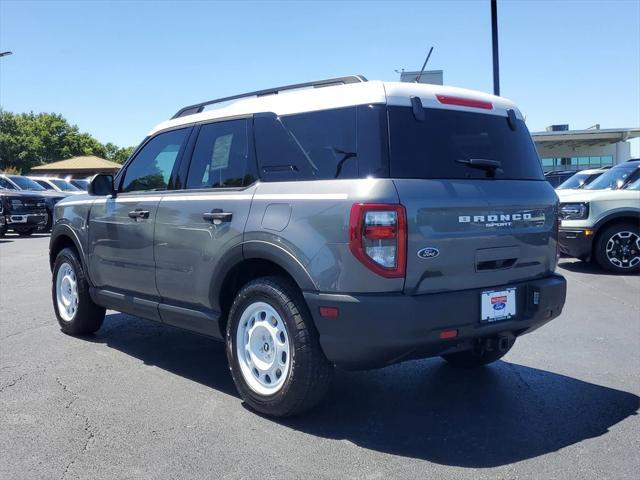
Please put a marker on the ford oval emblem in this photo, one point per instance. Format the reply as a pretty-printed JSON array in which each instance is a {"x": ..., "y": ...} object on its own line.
[{"x": 428, "y": 252}]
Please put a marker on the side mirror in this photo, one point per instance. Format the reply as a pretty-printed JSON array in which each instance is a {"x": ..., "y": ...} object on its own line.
[{"x": 101, "y": 185}]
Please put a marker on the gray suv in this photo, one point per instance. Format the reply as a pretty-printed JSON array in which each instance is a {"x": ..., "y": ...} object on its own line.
[{"x": 337, "y": 223}]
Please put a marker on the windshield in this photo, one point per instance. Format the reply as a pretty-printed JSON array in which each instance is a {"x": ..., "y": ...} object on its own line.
[
  {"x": 576, "y": 181},
  {"x": 63, "y": 185},
  {"x": 81, "y": 184},
  {"x": 44, "y": 185},
  {"x": 464, "y": 145},
  {"x": 612, "y": 179},
  {"x": 26, "y": 183}
]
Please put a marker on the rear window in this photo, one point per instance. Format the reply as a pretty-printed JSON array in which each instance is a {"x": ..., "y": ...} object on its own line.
[{"x": 439, "y": 146}]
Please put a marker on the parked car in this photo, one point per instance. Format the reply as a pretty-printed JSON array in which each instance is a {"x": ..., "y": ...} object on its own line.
[
  {"x": 21, "y": 212},
  {"x": 80, "y": 183},
  {"x": 603, "y": 225},
  {"x": 56, "y": 185},
  {"x": 581, "y": 179},
  {"x": 555, "y": 178},
  {"x": 20, "y": 183},
  {"x": 355, "y": 225},
  {"x": 617, "y": 177}
]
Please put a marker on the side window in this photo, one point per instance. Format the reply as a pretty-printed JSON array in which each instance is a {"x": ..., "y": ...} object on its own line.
[
  {"x": 5, "y": 184},
  {"x": 221, "y": 157},
  {"x": 152, "y": 166},
  {"x": 314, "y": 145}
]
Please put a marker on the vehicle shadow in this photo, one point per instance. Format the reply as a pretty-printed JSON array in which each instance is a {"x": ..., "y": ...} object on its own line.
[
  {"x": 578, "y": 266},
  {"x": 481, "y": 418}
]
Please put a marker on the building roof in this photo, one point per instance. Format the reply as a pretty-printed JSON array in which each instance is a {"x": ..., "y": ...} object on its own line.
[
  {"x": 338, "y": 96},
  {"x": 77, "y": 164},
  {"x": 584, "y": 138}
]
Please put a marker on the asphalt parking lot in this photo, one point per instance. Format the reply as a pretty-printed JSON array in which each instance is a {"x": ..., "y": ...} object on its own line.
[{"x": 141, "y": 400}]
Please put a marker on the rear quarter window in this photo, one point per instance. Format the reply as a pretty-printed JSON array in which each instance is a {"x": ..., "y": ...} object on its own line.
[
  {"x": 321, "y": 145},
  {"x": 434, "y": 147}
]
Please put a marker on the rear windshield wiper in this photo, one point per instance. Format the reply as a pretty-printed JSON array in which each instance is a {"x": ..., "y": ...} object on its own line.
[{"x": 481, "y": 163}]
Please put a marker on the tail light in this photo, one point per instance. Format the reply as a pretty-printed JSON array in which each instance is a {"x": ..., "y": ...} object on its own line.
[{"x": 378, "y": 237}]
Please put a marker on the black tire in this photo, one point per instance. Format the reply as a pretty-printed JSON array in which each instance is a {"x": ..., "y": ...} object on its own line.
[
  {"x": 475, "y": 357},
  {"x": 88, "y": 316},
  {"x": 618, "y": 236},
  {"x": 25, "y": 231},
  {"x": 309, "y": 374},
  {"x": 3, "y": 230}
]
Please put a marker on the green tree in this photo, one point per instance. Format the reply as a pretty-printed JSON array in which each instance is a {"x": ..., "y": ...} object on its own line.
[
  {"x": 29, "y": 139},
  {"x": 117, "y": 154}
]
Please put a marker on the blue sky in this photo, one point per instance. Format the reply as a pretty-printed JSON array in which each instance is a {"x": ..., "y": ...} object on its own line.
[{"x": 117, "y": 68}]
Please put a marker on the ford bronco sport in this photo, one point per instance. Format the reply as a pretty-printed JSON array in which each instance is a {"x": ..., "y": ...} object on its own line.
[
  {"x": 336, "y": 223},
  {"x": 602, "y": 222}
]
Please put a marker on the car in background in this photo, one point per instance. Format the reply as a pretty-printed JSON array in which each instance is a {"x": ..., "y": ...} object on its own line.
[
  {"x": 603, "y": 224},
  {"x": 19, "y": 183},
  {"x": 581, "y": 179},
  {"x": 22, "y": 212},
  {"x": 56, "y": 185},
  {"x": 555, "y": 178},
  {"x": 617, "y": 177},
  {"x": 80, "y": 183}
]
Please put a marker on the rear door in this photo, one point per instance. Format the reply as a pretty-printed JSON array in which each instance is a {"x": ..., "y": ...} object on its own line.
[
  {"x": 200, "y": 226},
  {"x": 479, "y": 212},
  {"x": 121, "y": 228}
]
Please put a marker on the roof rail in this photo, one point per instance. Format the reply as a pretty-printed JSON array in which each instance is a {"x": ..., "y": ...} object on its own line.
[{"x": 199, "y": 107}]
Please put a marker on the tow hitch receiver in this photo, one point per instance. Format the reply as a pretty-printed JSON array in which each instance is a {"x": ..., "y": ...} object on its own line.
[{"x": 501, "y": 343}]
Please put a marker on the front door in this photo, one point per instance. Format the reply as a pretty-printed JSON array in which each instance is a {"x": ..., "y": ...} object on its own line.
[
  {"x": 121, "y": 228},
  {"x": 199, "y": 227}
]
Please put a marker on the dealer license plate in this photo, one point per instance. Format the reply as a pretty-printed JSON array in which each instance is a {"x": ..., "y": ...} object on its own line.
[{"x": 496, "y": 305}]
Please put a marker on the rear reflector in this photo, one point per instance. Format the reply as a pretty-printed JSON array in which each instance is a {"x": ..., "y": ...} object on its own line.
[
  {"x": 445, "y": 334},
  {"x": 329, "y": 312},
  {"x": 464, "y": 102}
]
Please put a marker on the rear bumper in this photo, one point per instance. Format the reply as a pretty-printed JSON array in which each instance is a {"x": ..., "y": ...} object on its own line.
[
  {"x": 574, "y": 243},
  {"x": 377, "y": 330}
]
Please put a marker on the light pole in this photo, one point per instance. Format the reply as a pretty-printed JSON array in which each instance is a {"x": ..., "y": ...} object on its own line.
[{"x": 494, "y": 47}]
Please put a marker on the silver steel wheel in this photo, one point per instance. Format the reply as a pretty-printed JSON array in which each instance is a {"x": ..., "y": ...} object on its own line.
[
  {"x": 623, "y": 249},
  {"x": 67, "y": 292},
  {"x": 262, "y": 348}
]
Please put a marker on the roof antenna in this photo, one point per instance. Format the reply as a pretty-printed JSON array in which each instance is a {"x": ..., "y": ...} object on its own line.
[{"x": 424, "y": 65}]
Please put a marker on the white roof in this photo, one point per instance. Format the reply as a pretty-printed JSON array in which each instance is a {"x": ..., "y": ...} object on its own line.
[{"x": 337, "y": 96}]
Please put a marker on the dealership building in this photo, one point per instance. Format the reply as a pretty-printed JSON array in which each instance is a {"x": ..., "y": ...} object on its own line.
[{"x": 563, "y": 149}]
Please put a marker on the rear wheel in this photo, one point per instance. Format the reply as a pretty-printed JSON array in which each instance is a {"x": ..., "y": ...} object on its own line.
[
  {"x": 476, "y": 357},
  {"x": 25, "y": 231},
  {"x": 273, "y": 350},
  {"x": 618, "y": 248},
  {"x": 76, "y": 312}
]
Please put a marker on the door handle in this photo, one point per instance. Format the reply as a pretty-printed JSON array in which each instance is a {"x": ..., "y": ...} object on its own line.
[
  {"x": 139, "y": 213},
  {"x": 217, "y": 216}
]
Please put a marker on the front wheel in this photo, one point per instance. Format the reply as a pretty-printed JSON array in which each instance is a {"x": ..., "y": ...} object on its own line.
[
  {"x": 74, "y": 308},
  {"x": 273, "y": 349},
  {"x": 618, "y": 248}
]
